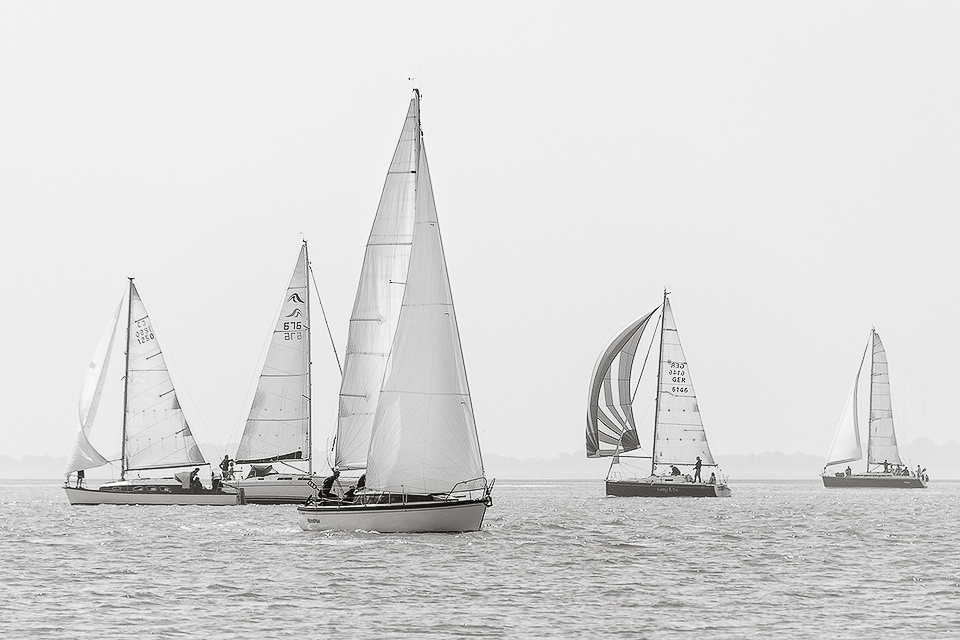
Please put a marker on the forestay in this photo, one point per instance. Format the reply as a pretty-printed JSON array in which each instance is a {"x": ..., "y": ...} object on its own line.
[
  {"x": 846, "y": 442},
  {"x": 679, "y": 435},
  {"x": 611, "y": 427},
  {"x": 424, "y": 438},
  {"x": 882, "y": 443},
  {"x": 156, "y": 431},
  {"x": 376, "y": 309},
  {"x": 84, "y": 455},
  {"x": 278, "y": 426}
]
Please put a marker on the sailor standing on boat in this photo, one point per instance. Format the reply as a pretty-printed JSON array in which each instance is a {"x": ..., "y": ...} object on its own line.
[{"x": 696, "y": 468}]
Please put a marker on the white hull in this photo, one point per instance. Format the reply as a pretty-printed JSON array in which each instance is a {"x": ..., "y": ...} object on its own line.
[
  {"x": 412, "y": 517},
  {"x": 276, "y": 490},
  {"x": 94, "y": 496}
]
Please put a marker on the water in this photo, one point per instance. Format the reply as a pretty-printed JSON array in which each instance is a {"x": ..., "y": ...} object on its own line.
[{"x": 553, "y": 560}]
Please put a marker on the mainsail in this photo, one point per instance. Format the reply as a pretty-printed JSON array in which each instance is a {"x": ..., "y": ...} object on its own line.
[
  {"x": 882, "y": 441},
  {"x": 84, "y": 455},
  {"x": 376, "y": 309},
  {"x": 424, "y": 438},
  {"x": 611, "y": 427},
  {"x": 156, "y": 433},
  {"x": 846, "y": 442},
  {"x": 278, "y": 426},
  {"x": 678, "y": 434}
]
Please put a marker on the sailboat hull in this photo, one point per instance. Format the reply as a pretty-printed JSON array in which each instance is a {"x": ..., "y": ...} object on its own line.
[
  {"x": 873, "y": 480},
  {"x": 410, "y": 517},
  {"x": 276, "y": 489},
  {"x": 100, "y": 496},
  {"x": 665, "y": 487}
]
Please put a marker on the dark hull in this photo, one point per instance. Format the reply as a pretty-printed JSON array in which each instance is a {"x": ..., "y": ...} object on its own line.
[
  {"x": 874, "y": 480},
  {"x": 667, "y": 489}
]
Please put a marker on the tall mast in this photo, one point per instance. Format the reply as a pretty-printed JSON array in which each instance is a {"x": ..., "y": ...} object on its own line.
[
  {"x": 126, "y": 382},
  {"x": 309, "y": 450},
  {"x": 872, "y": 347},
  {"x": 656, "y": 412}
]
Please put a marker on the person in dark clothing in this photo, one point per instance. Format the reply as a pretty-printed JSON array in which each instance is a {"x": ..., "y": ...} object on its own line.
[
  {"x": 674, "y": 471},
  {"x": 80, "y": 478},
  {"x": 326, "y": 489},
  {"x": 225, "y": 468},
  {"x": 696, "y": 470},
  {"x": 195, "y": 485}
]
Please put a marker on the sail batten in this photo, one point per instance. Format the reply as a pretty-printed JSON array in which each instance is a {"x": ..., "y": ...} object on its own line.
[{"x": 278, "y": 423}]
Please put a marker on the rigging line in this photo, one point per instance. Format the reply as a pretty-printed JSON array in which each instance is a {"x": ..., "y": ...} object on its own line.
[
  {"x": 645, "y": 358},
  {"x": 326, "y": 322}
]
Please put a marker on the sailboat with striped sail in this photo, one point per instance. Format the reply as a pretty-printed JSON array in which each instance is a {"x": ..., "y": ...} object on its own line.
[
  {"x": 155, "y": 433},
  {"x": 885, "y": 467},
  {"x": 679, "y": 442},
  {"x": 406, "y": 421},
  {"x": 276, "y": 444}
]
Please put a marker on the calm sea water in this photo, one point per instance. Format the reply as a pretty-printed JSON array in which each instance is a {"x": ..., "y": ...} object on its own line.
[{"x": 553, "y": 560}]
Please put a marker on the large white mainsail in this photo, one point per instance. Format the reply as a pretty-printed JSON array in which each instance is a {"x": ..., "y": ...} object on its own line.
[
  {"x": 376, "y": 309},
  {"x": 611, "y": 427},
  {"x": 156, "y": 433},
  {"x": 846, "y": 442},
  {"x": 84, "y": 455},
  {"x": 278, "y": 426},
  {"x": 882, "y": 441},
  {"x": 424, "y": 438},
  {"x": 678, "y": 433}
]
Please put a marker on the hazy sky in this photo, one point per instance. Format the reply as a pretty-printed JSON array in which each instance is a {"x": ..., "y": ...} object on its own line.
[{"x": 788, "y": 170}]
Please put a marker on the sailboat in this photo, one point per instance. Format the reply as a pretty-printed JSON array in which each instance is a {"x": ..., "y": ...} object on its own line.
[
  {"x": 406, "y": 427},
  {"x": 155, "y": 434},
  {"x": 278, "y": 430},
  {"x": 885, "y": 467},
  {"x": 679, "y": 444}
]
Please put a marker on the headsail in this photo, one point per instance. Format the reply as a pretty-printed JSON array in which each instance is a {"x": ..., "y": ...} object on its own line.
[
  {"x": 424, "y": 437},
  {"x": 278, "y": 426},
  {"x": 611, "y": 427},
  {"x": 882, "y": 441},
  {"x": 846, "y": 442},
  {"x": 376, "y": 309},
  {"x": 156, "y": 433},
  {"x": 84, "y": 455},
  {"x": 678, "y": 435}
]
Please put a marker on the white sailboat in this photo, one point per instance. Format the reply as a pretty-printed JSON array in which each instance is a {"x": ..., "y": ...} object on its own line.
[
  {"x": 406, "y": 417},
  {"x": 155, "y": 434},
  {"x": 277, "y": 436},
  {"x": 885, "y": 467},
  {"x": 679, "y": 450}
]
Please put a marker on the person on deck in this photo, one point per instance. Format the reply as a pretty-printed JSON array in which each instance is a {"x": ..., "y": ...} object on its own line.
[
  {"x": 696, "y": 470},
  {"x": 713, "y": 478},
  {"x": 80, "y": 478},
  {"x": 225, "y": 468},
  {"x": 326, "y": 489},
  {"x": 847, "y": 472},
  {"x": 195, "y": 485},
  {"x": 674, "y": 471},
  {"x": 886, "y": 467}
]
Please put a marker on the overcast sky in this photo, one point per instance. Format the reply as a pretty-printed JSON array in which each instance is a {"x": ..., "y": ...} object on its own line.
[{"x": 788, "y": 170}]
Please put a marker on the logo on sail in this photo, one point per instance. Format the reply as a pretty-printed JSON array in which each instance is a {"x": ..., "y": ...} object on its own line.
[
  {"x": 295, "y": 297},
  {"x": 296, "y": 314}
]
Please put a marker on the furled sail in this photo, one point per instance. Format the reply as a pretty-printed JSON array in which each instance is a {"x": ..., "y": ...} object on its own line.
[
  {"x": 376, "y": 309},
  {"x": 846, "y": 442},
  {"x": 278, "y": 426},
  {"x": 84, "y": 455},
  {"x": 611, "y": 427},
  {"x": 156, "y": 431},
  {"x": 882, "y": 441},
  {"x": 679, "y": 435},
  {"x": 424, "y": 437}
]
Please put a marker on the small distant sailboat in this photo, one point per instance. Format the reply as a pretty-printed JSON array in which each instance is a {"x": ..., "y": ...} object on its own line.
[
  {"x": 406, "y": 423},
  {"x": 885, "y": 467},
  {"x": 679, "y": 448},
  {"x": 278, "y": 430},
  {"x": 155, "y": 433}
]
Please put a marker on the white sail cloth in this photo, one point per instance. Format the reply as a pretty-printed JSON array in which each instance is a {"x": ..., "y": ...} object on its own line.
[
  {"x": 83, "y": 454},
  {"x": 376, "y": 309},
  {"x": 278, "y": 425},
  {"x": 611, "y": 426},
  {"x": 424, "y": 437},
  {"x": 882, "y": 441},
  {"x": 679, "y": 436},
  {"x": 846, "y": 441},
  {"x": 156, "y": 431}
]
